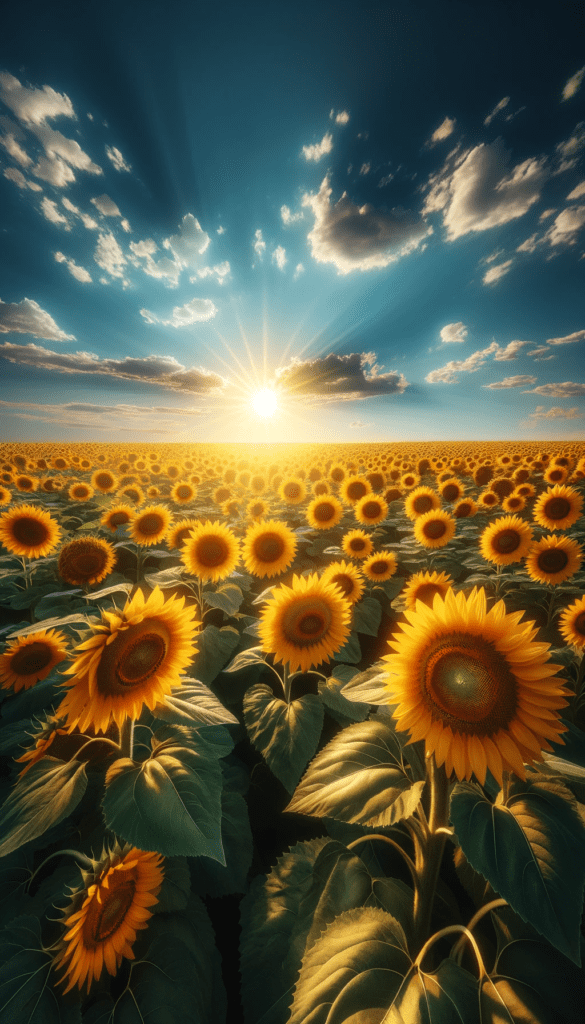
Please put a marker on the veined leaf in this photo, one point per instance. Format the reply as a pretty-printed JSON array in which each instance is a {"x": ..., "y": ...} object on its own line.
[
  {"x": 367, "y": 615},
  {"x": 448, "y": 995},
  {"x": 49, "y": 791},
  {"x": 214, "y": 649},
  {"x": 227, "y": 597},
  {"x": 27, "y": 994},
  {"x": 192, "y": 704},
  {"x": 286, "y": 735}
]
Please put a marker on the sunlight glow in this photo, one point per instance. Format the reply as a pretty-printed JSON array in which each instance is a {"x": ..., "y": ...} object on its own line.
[{"x": 264, "y": 402}]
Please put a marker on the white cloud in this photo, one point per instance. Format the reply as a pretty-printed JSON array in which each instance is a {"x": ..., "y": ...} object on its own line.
[
  {"x": 14, "y": 149},
  {"x": 109, "y": 256},
  {"x": 530, "y": 244},
  {"x": 493, "y": 256},
  {"x": 318, "y": 150},
  {"x": 555, "y": 413},
  {"x": 50, "y": 211},
  {"x": 196, "y": 311},
  {"x": 569, "y": 339},
  {"x": 163, "y": 269},
  {"x": 221, "y": 272},
  {"x": 573, "y": 84},
  {"x": 359, "y": 237},
  {"x": 547, "y": 213},
  {"x": 299, "y": 269},
  {"x": 88, "y": 221},
  {"x": 454, "y": 332},
  {"x": 117, "y": 159},
  {"x": 538, "y": 353},
  {"x": 144, "y": 248},
  {"x": 27, "y": 317},
  {"x": 519, "y": 381},
  {"x": 567, "y": 389},
  {"x": 279, "y": 257},
  {"x": 259, "y": 244},
  {"x": 33, "y": 105},
  {"x": 86, "y": 414},
  {"x": 365, "y": 169},
  {"x": 499, "y": 106},
  {"x": 189, "y": 243},
  {"x": 448, "y": 374},
  {"x": 13, "y": 174},
  {"x": 445, "y": 129},
  {"x": 568, "y": 150},
  {"x": 495, "y": 273},
  {"x": 57, "y": 146},
  {"x": 106, "y": 206},
  {"x": 481, "y": 192},
  {"x": 385, "y": 180},
  {"x": 578, "y": 191},
  {"x": 53, "y": 170},
  {"x": 290, "y": 218},
  {"x": 505, "y": 355},
  {"x": 221, "y": 230},
  {"x": 340, "y": 118},
  {"x": 566, "y": 226},
  {"x": 79, "y": 273}
]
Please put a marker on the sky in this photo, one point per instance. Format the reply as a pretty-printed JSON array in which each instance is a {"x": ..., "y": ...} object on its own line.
[{"x": 364, "y": 219}]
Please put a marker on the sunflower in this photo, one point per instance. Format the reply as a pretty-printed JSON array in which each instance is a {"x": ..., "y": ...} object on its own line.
[
  {"x": 232, "y": 507},
  {"x": 451, "y": 489},
  {"x": 421, "y": 500},
  {"x": 475, "y": 686},
  {"x": 392, "y": 494},
  {"x": 104, "y": 481},
  {"x": 556, "y": 475},
  {"x": 80, "y": 492},
  {"x": 464, "y": 508},
  {"x": 376, "y": 480},
  {"x": 211, "y": 551},
  {"x": 221, "y": 494},
  {"x": 320, "y": 488},
  {"x": 178, "y": 532},
  {"x": 489, "y": 499},
  {"x": 131, "y": 492},
  {"x": 370, "y": 510},
  {"x": 513, "y": 503},
  {"x": 324, "y": 512},
  {"x": 526, "y": 491},
  {"x": 269, "y": 548},
  {"x": 5, "y": 496},
  {"x": 132, "y": 659},
  {"x": 117, "y": 516},
  {"x": 553, "y": 559},
  {"x": 29, "y": 531},
  {"x": 357, "y": 544},
  {"x": 347, "y": 577},
  {"x": 150, "y": 525},
  {"x": 409, "y": 480},
  {"x": 558, "y": 508},
  {"x": 422, "y": 586},
  {"x": 257, "y": 508},
  {"x": 304, "y": 625},
  {"x": 572, "y": 623},
  {"x": 28, "y": 659},
  {"x": 503, "y": 486},
  {"x": 337, "y": 473},
  {"x": 506, "y": 540},
  {"x": 353, "y": 488},
  {"x": 380, "y": 566},
  {"x": 25, "y": 483},
  {"x": 293, "y": 490},
  {"x": 183, "y": 492},
  {"x": 104, "y": 915},
  {"x": 434, "y": 529},
  {"x": 86, "y": 560},
  {"x": 257, "y": 484}
]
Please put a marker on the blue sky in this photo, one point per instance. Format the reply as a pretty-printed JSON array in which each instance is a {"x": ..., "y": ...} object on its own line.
[{"x": 375, "y": 210}]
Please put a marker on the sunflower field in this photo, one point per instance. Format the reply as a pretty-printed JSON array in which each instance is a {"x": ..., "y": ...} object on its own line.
[{"x": 292, "y": 734}]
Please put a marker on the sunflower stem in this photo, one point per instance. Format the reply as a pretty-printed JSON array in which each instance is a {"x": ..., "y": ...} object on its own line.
[
  {"x": 138, "y": 563},
  {"x": 457, "y": 951},
  {"x": 551, "y": 605},
  {"x": 498, "y": 582},
  {"x": 84, "y": 862},
  {"x": 286, "y": 683},
  {"x": 431, "y": 852},
  {"x": 127, "y": 738},
  {"x": 397, "y": 846}
]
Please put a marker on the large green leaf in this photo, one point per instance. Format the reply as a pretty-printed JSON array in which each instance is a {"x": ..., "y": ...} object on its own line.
[
  {"x": 27, "y": 995},
  {"x": 531, "y": 851},
  {"x": 211, "y": 878},
  {"x": 367, "y": 615},
  {"x": 191, "y": 704},
  {"x": 368, "y": 686},
  {"x": 535, "y": 983},
  {"x": 214, "y": 649},
  {"x": 286, "y": 735},
  {"x": 171, "y": 802},
  {"x": 351, "y": 652},
  {"x": 448, "y": 995},
  {"x": 343, "y": 710},
  {"x": 42, "y": 798},
  {"x": 227, "y": 597},
  {"x": 353, "y": 971},
  {"x": 358, "y": 777}
]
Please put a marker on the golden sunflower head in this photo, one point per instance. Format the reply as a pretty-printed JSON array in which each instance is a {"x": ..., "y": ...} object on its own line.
[
  {"x": 86, "y": 560},
  {"x": 464, "y": 508},
  {"x": 257, "y": 509},
  {"x": 80, "y": 492},
  {"x": 320, "y": 488},
  {"x": 392, "y": 494},
  {"x": 370, "y": 510},
  {"x": 553, "y": 559},
  {"x": 337, "y": 473},
  {"x": 305, "y": 624},
  {"x": 422, "y": 586},
  {"x": 421, "y": 500},
  {"x": 104, "y": 915},
  {"x": 131, "y": 492},
  {"x": 506, "y": 540},
  {"x": 475, "y": 686},
  {"x": 513, "y": 503},
  {"x": 221, "y": 494},
  {"x": 347, "y": 577},
  {"x": 357, "y": 544},
  {"x": 182, "y": 493},
  {"x": 434, "y": 529},
  {"x": 118, "y": 515},
  {"x": 556, "y": 474},
  {"x": 131, "y": 660},
  {"x": 324, "y": 512},
  {"x": 558, "y": 508},
  {"x": 353, "y": 488},
  {"x": 5, "y": 496},
  {"x": 28, "y": 659},
  {"x": 409, "y": 480},
  {"x": 488, "y": 499},
  {"x": 292, "y": 490},
  {"x": 150, "y": 525},
  {"x": 23, "y": 482},
  {"x": 211, "y": 551},
  {"x": 27, "y": 530},
  {"x": 178, "y": 532},
  {"x": 104, "y": 481},
  {"x": 269, "y": 548},
  {"x": 572, "y": 623},
  {"x": 380, "y": 566},
  {"x": 451, "y": 489}
]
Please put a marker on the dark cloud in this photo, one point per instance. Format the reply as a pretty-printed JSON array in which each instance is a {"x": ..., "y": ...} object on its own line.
[{"x": 335, "y": 378}]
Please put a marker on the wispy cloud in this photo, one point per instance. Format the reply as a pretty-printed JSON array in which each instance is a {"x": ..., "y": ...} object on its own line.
[
  {"x": 259, "y": 245},
  {"x": 567, "y": 389},
  {"x": 194, "y": 312},
  {"x": 569, "y": 339},
  {"x": 109, "y": 256},
  {"x": 279, "y": 257},
  {"x": 519, "y": 381},
  {"x": 319, "y": 149},
  {"x": 555, "y": 413},
  {"x": 342, "y": 117},
  {"x": 454, "y": 332},
  {"x": 79, "y": 273},
  {"x": 573, "y": 84},
  {"x": 290, "y": 218},
  {"x": 447, "y": 374},
  {"x": 496, "y": 273},
  {"x": 52, "y": 214},
  {"x": 498, "y": 107},
  {"x": 27, "y": 317},
  {"x": 445, "y": 129},
  {"x": 117, "y": 159}
]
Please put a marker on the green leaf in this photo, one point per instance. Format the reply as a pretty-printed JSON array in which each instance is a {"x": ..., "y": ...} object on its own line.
[
  {"x": 286, "y": 735},
  {"x": 358, "y": 778},
  {"x": 193, "y": 704},
  {"x": 368, "y": 686},
  {"x": 176, "y": 887},
  {"x": 228, "y": 597},
  {"x": 367, "y": 615},
  {"x": 54, "y": 623},
  {"x": 352, "y": 972},
  {"x": 448, "y": 995},
  {"x": 533, "y": 982},
  {"x": 96, "y": 595},
  {"x": 253, "y": 656},
  {"x": 49, "y": 791},
  {"x": 211, "y": 878},
  {"x": 531, "y": 852},
  {"x": 351, "y": 652},
  {"x": 171, "y": 802},
  {"x": 215, "y": 646},
  {"x": 27, "y": 996},
  {"x": 166, "y": 578},
  {"x": 339, "y": 707}
]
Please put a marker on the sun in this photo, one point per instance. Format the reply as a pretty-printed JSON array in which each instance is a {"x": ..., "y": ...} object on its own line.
[{"x": 264, "y": 402}]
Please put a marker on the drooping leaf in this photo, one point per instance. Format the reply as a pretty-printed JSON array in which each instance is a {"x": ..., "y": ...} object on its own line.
[
  {"x": 531, "y": 851},
  {"x": 214, "y": 649},
  {"x": 367, "y": 615},
  {"x": 351, "y": 652},
  {"x": 192, "y": 703},
  {"x": 253, "y": 656},
  {"x": 358, "y": 777},
  {"x": 448, "y": 995},
  {"x": 27, "y": 995},
  {"x": 227, "y": 597},
  {"x": 340, "y": 708},
  {"x": 209, "y": 877},
  {"x": 48, "y": 792},
  {"x": 286, "y": 735},
  {"x": 368, "y": 686},
  {"x": 167, "y": 578}
]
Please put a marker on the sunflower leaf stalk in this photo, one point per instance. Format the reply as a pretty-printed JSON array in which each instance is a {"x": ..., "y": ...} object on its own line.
[{"x": 127, "y": 738}]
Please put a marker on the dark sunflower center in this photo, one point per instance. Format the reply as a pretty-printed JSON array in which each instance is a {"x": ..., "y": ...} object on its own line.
[
  {"x": 212, "y": 551},
  {"x": 311, "y": 624},
  {"x": 119, "y": 518},
  {"x": 557, "y": 508},
  {"x": 371, "y": 509},
  {"x": 506, "y": 541},
  {"x": 80, "y": 491},
  {"x": 86, "y": 563},
  {"x": 489, "y": 499},
  {"x": 29, "y": 531},
  {"x": 422, "y": 503},
  {"x": 552, "y": 561},
  {"x": 292, "y": 490},
  {"x": 150, "y": 524},
  {"x": 379, "y": 567},
  {"x": 579, "y": 624},
  {"x": 30, "y": 659},
  {"x": 451, "y": 492},
  {"x": 183, "y": 492},
  {"x": 409, "y": 481},
  {"x": 344, "y": 581},
  {"x": 324, "y": 512},
  {"x": 141, "y": 659},
  {"x": 357, "y": 544},
  {"x": 60, "y": 464},
  {"x": 556, "y": 474},
  {"x": 181, "y": 536},
  {"x": 337, "y": 475},
  {"x": 469, "y": 684},
  {"x": 356, "y": 490},
  {"x": 463, "y": 510},
  {"x": 132, "y": 493},
  {"x": 426, "y": 593},
  {"x": 307, "y": 622},
  {"x": 104, "y": 480},
  {"x": 222, "y": 494},
  {"x": 115, "y": 906},
  {"x": 269, "y": 547},
  {"x": 24, "y": 483},
  {"x": 434, "y": 529}
]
